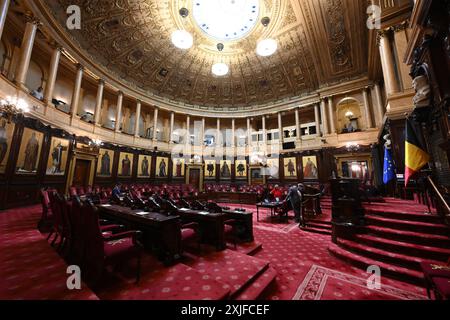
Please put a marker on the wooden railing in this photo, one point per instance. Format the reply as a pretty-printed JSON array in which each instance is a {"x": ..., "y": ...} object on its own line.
[{"x": 443, "y": 208}]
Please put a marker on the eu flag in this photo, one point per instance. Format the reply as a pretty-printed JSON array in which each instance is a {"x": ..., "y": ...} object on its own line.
[{"x": 388, "y": 167}]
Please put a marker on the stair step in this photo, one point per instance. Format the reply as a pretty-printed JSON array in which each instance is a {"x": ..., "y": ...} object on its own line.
[
  {"x": 399, "y": 259},
  {"x": 425, "y": 252},
  {"x": 318, "y": 225},
  {"x": 425, "y": 227},
  {"x": 315, "y": 230},
  {"x": 322, "y": 222},
  {"x": 255, "y": 290},
  {"x": 387, "y": 269},
  {"x": 420, "y": 217},
  {"x": 425, "y": 239}
]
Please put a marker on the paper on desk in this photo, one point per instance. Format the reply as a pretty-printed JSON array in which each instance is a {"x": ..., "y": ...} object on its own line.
[
  {"x": 106, "y": 205},
  {"x": 204, "y": 212},
  {"x": 184, "y": 209},
  {"x": 142, "y": 213}
]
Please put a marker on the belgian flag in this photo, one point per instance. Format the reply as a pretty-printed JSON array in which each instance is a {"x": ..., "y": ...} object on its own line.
[{"x": 415, "y": 155}]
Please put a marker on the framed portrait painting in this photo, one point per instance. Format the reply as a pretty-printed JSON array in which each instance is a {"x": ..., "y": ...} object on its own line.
[
  {"x": 125, "y": 165},
  {"x": 225, "y": 169},
  {"x": 178, "y": 167},
  {"x": 30, "y": 152},
  {"x": 241, "y": 169},
  {"x": 105, "y": 163},
  {"x": 144, "y": 166},
  {"x": 290, "y": 168},
  {"x": 210, "y": 169},
  {"x": 6, "y": 136},
  {"x": 310, "y": 169},
  {"x": 273, "y": 168},
  {"x": 57, "y": 158},
  {"x": 162, "y": 167}
]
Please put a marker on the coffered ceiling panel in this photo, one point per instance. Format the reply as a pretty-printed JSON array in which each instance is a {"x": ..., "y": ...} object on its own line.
[{"x": 320, "y": 42}]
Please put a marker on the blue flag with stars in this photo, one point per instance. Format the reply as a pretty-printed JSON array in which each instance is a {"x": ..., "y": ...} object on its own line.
[{"x": 388, "y": 167}]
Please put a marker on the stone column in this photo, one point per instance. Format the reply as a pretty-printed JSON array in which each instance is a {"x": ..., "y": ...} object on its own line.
[
  {"x": 99, "y": 101},
  {"x": 218, "y": 134},
  {"x": 280, "y": 127},
  {"x": 172, "y": 124},
  {"x": 332, "y": 115},
  {"x": 233, "y": 133},
  {"x": 264, "y": 129},
  {"x": 52, "y": 75},
  {"x": 76, "y": 91},
  {"x": 155, "y": 125},
  {"x": 379, "y": 105},
  {"x": 137, "y": 118},
  {"x": 367, "y": 109},
  {"x": 249, "y": 132},
  {"x": 188, "y": 130},
  {"x": 119, "y": 111},
  {"x": 324, "y": 117},
  {"x": 202, "y": 133},
  {"x": 25, "y": 52},
  {"x": 388, "y": 63},
  {"x": 317, "y": 118},
  {"x": 4, "y": 6},
  {"x": 297, "y": 124}
]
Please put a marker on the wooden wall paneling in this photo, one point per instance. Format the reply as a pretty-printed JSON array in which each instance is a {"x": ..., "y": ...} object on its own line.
[
  {"x": 153, "y": 167},
  {"x": 170, "y": 169}
]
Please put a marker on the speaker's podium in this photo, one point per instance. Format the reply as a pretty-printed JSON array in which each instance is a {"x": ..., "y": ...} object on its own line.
[{"x": 347, "y": 210}]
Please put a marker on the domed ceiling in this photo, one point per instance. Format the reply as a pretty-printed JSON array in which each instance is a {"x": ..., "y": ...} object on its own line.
[{"x": 320, "y": 42}]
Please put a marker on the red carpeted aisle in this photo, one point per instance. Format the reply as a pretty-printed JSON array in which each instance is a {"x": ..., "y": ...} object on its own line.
[{"x": 300, "y": 261}]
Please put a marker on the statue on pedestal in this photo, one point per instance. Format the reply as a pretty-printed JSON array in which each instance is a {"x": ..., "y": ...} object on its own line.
[{"x": 423, "y": 92}]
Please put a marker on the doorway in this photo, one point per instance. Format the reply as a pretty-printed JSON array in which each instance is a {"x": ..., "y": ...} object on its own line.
[
  {"x": 194, "y": 177},
  {"x": 355, "y": 166},
  {"x": 81, "y": 175}
]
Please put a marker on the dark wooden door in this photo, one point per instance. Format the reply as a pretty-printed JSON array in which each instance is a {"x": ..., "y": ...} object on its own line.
[
  {"x": 194, "y": 177},
  {"x": 82, "y": 173}
]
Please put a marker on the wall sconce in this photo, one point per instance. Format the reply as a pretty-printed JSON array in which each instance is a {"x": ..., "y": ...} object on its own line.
[{"x": 10, "y": 107}]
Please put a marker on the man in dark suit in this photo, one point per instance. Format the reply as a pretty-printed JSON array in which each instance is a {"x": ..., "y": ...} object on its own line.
[{"x": 295, "y": 197}]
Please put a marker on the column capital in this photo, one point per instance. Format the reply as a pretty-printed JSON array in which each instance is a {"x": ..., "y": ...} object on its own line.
[
  {"x": 120, "y": 93},
  {"x": 382, "y": 34},
  {"x": 31, "y": 18},
  {"x": 138, "y": 101},
  {"x": 56, "y": 46},
  {"x": 79, "y": 67},
  {"x": 101, "y": 82}
]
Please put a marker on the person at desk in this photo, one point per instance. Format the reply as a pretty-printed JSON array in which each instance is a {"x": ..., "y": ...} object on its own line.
[
  {"x": 295, "y": 197},
  {"x": 117, "y": 192},
  {"x": 277, "y": 193}
]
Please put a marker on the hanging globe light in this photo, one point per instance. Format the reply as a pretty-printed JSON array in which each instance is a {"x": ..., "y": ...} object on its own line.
[
  {"x": 182, "y": 39},
  {"x": 220, "y": 69},
  {"x": 267, "y": 47}
]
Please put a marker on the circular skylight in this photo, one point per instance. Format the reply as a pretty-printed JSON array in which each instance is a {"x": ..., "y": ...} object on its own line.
[{"x": 226, "y": 20}]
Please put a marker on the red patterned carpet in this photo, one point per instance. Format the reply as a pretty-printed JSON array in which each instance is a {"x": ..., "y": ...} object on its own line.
[{"x": 304, "y": 269}]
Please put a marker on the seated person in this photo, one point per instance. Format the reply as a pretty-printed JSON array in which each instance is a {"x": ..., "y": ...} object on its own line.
[
  {"x": 277, "y": 193},
  {"x": 117, "y": 191},
  {"x": 38, "y": 93}
]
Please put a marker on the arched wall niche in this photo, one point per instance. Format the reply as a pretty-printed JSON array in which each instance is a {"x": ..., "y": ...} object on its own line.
[
  {"x": 35, "y": 76},
  {"x": 345, "y": 107}
]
